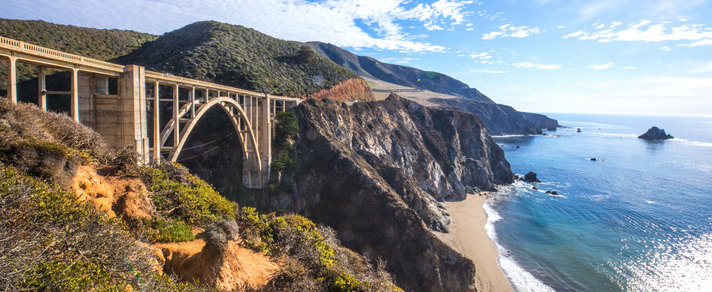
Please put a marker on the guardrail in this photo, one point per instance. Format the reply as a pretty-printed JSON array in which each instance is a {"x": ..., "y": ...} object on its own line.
[
  {"x": 38, "y": 51},
  {"x": 163, "y": 77}
]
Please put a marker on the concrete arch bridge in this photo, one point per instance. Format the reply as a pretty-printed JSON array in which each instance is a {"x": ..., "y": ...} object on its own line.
[{"x": 123, "y": 104}]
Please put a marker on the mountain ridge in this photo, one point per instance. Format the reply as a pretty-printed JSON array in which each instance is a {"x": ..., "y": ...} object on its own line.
[
  {"x": 239, "y": 56},
  {"x": 500, "y": 119}
]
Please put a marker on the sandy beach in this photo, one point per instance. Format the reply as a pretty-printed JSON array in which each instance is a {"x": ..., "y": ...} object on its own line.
[{"x": 469, "y": 237}]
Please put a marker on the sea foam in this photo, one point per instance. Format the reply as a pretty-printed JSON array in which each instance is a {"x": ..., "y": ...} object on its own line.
[{"x": 520, "y": 279}]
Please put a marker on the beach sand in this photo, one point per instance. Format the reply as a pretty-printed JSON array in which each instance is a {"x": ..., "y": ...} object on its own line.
[{"x": 469, "y": 237}]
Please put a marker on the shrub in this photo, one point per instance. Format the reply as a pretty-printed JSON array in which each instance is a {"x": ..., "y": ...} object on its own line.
[
  {"x": 311, "y": 256},
  {"x": 181, "y": 195},
  {"x": 286, "y": 127},
  {"x": 53, "y": 242}
]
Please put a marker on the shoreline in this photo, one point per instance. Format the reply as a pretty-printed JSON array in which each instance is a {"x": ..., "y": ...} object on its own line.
[{"x": 469, "y": 237}]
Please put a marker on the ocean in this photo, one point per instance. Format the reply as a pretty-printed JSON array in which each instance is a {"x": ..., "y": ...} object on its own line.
[{"x": 638, "y": 218}]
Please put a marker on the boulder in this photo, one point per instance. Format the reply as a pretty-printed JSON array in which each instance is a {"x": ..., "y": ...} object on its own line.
[
  {"x": 531, "y": 177},
  {"x": 655, "y": 133}
]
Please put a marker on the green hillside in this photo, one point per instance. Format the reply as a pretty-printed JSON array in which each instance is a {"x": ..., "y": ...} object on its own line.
[
  {"x": 102, "y": 44},
  {"x": 241, "y": 57}
]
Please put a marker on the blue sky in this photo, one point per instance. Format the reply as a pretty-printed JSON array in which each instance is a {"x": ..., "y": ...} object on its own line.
[{"x": 645, "y": 57}]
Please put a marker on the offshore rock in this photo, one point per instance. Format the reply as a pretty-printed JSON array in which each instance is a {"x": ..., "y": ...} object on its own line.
[
  {"x": 531, "y": 177},
  {"x": 655, "y": 133}
]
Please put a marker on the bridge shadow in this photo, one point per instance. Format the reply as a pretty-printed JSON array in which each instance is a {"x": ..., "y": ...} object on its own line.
[{"x": 213, "y": 153}]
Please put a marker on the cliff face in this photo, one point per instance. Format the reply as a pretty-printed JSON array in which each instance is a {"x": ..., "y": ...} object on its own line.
[
  {"x": 499, "y": 119},
  {"x": 375, "y": 172},
  {"x": 541, "y": 121}
]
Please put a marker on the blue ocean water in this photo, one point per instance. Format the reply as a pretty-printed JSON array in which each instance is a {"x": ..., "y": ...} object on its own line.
[{"x": 637, "y": 219}]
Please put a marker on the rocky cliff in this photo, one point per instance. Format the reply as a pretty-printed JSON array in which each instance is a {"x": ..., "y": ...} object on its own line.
[
  {"x": 541, "y": 121},
  {"x": 376, "y": 172},
  {"x": 500, "y": 119}
]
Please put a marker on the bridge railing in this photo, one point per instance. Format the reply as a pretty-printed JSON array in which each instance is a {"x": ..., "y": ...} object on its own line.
[{"x": 38, "y": 51}]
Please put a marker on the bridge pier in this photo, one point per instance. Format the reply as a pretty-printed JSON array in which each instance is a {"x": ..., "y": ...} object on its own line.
[
  {"x": 11, "y": 85},
  {"x": 265, "y": 137},
  {"x": 42, "y": 87}
]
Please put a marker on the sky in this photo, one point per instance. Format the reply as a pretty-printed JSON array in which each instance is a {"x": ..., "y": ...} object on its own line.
[{"x": 607, "y": 56}]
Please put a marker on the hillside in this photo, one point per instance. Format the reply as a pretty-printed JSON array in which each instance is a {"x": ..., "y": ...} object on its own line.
[
  {"x": 436, "y": 89},
  {"x": 397, "y": 74},
  {"x": 77, "y": 216},
  {"x": 102, "y": 44},
  {"x": 241, "y": 57}
]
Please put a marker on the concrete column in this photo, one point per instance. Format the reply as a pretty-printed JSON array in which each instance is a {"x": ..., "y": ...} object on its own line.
[
  {"x": 42, "y": 88},
  {"x": 156, "y": 123},
  {"x": 192, "y": 102},
  {"x": 87, "y": 112},
  {"x": 12, "y": 78},
  {"x": 265, "y": 144},
  {"x": 75, "y": 94},
  {"x": 132, "y": 111},
  {"x": 176, "y": 120}
]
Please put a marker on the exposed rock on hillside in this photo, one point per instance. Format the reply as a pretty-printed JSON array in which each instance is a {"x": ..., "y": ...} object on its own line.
[
  {"x": 655, "y": 133},
  {"x": 499, "y": 119},
  {"x": 375, "y": 172},
  {"x": 349, "y": 90},
  {"x": 219, "y": 261}
]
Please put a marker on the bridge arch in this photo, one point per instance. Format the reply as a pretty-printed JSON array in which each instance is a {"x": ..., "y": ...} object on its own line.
[{"x": 243, "y": 128}]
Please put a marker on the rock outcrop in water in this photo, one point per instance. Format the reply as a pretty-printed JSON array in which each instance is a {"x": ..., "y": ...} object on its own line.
[
  {"x": 376, "y": 173},
  {"x": 531, "y": 177},
  {"x": 655, "y": 133}
]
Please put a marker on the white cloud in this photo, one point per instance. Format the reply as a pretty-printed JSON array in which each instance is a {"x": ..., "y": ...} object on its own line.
[
  {"x": 601, "y": 25},
  {"x": 487, "y": 71},
  {"x": 481, "y": 56},
  {"x": 653, "y": 33},
  {"x": 537, "y": 66},
  {"x": 600, "y": 67},
  {"x": 561, "y": 26},
  {"x": 508, "y": 30},
  {"x": 398, "y": 60},
  {"x": 665, "y": 48},
  {"x": 377, "y": 24},
  {"x": 628, "y": 68},
  {"x": 705, "y": 42}
]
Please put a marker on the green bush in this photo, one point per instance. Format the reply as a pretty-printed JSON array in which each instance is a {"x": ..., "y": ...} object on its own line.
[
  {"x": 183, "y": 196},
  {"x": 311, "y": 257},
  {"x": 161, "y": 230},
  {"x": 70, "y": 276},
  {"x": 286, "y": 127},
  {"x": 53, "y": 242}
]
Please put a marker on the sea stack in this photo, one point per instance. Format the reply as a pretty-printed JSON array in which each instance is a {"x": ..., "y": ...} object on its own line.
[
  {"x": 655, "y": 133},
  {"x": 531, "y": 177}
]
